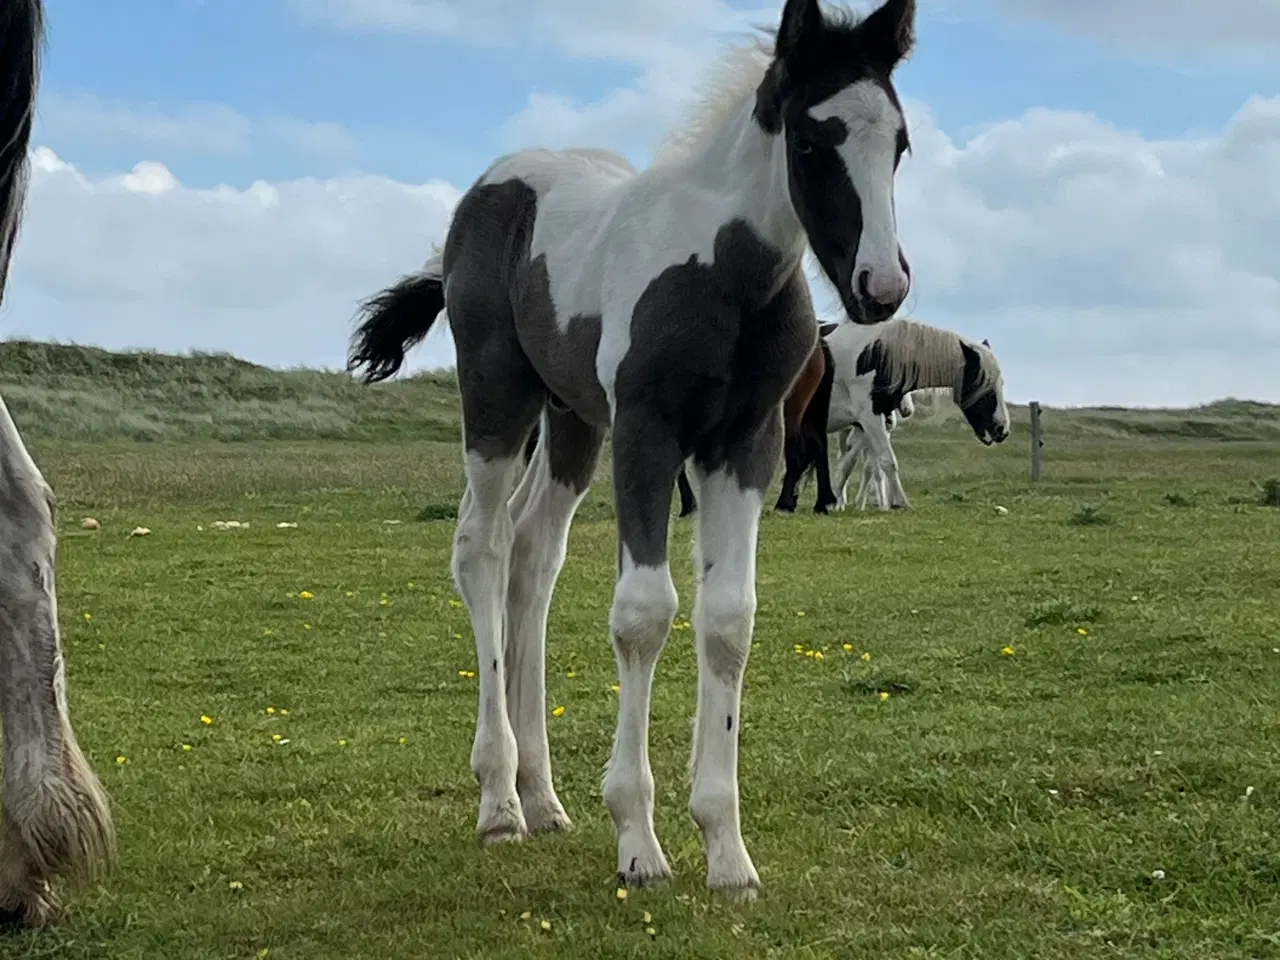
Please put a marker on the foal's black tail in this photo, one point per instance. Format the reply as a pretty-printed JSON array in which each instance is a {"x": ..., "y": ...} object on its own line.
[
  {"x": 21, "y": 35},
  {"x": 394, "y": 320}
]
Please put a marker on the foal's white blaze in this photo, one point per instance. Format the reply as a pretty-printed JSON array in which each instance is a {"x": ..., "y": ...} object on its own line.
[
  {"x": 869, "y": 153},
  {"x": 644, "y": 605},
  {"x": 724, "y": 618}
]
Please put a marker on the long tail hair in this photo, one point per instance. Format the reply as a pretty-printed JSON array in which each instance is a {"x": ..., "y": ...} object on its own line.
[
  {"x": 396, "y": 319},
  {"x": 21, "y": 40}
]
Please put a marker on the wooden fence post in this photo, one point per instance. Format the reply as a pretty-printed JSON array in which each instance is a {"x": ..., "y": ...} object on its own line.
[{"x": 1037, "y": 441}]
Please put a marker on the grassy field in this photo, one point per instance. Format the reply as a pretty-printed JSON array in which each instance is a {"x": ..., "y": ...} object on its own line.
[{"x": 1077, "y": 756}]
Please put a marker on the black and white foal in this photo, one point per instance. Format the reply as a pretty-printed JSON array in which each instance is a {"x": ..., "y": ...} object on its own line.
[{"x": 670, "y": 307}]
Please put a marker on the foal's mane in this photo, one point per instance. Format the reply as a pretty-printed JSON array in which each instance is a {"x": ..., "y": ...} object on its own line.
[
  {"x": 919, "y": 355},
  {"x": 726, "y": 85}
]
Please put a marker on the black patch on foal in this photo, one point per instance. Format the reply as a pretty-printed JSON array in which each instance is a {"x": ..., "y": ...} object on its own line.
[
  {"x": 715, "y": 347},
  {"x": 513, "y": 359}
]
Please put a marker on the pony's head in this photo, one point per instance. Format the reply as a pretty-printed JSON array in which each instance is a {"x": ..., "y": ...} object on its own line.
[
  {"x": 980, "y": 393},
  {"x": 829, "y": 92}
]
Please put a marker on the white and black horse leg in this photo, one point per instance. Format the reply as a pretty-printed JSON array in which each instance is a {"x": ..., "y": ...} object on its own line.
[
  {"x": 55, "y": 818},
  {"x": 850, "y": 445},
  {"x": 880, "y": 450},
  {"x": 724, "y": 620},
  {"x": 559, "y": 474},
  {"x": 495, "y": 425},
  {"x": 646, "y": 460}
]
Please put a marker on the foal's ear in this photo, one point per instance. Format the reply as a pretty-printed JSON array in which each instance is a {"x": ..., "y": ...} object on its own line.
[
  {"x": 986, "y": 343},
  {"x": 801, "y": 21},
  {"x": 889, "y": 33}
]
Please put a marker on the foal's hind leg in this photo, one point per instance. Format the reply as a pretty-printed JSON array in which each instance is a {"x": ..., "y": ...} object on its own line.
[
  {"x": 501, "y": 398},
  {"x": 55, "y": 818},
  {"x": 559, "y": 474}
]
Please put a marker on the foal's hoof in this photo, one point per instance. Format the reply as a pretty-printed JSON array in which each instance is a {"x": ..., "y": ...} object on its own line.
[
  {"x": 545, "y": 815},
  {"x": 505, "y": 824},
  {"x": 742, "y": 887},
  {"x": 648, "y": 869}
]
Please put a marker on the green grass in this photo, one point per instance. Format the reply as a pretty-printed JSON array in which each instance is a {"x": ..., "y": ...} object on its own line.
[{"x": 994, "y": 805}]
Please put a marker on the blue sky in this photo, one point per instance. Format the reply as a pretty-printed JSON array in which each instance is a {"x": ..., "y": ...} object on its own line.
[
  {"x": 423, "y": 107},
  {"x": 1092, "y": 184}
]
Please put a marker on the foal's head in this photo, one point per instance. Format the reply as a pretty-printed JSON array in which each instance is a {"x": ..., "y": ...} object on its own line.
[
  {"x": 829, "y": 92},
  {"x": 980, "y": 393}
]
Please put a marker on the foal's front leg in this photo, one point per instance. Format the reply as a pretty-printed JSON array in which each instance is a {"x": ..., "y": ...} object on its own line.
[
  {"x": 724, "y": 618},
  {"x": 645, "y": 463}
]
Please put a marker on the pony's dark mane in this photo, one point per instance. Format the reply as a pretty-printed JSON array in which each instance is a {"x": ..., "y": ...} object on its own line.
[{"x": 21, "y": 37}]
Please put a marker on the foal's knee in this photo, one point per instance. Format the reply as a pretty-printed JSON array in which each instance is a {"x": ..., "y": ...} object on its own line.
[
  {"x": 725, "y": 620},
  {"x": 644, "y": 606}
]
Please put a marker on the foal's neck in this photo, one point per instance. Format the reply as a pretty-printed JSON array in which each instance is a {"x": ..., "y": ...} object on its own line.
[{"x": 749, "y": 166}]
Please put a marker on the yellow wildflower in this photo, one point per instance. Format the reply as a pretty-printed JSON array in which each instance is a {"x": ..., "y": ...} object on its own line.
[
  {"x": 616, "y": 688},
  {"x": 342, "y": 743},
  {"x": 848, "y": 648},
  {"x": 647, "y": 917},
  {"x": 88, "y": 617},
  {"x": 1008, "y": 651},
  {"x": 801, "y": 613},
  {"x": 884, "y": 695},
  {"x": 526, "y": 915},
  {"x": 186, "y": 748},
  {"x": 284, "y": 713},
  {"x": 621, "y": 893},
  {"x": 818, "y": 655},
  {"x": 350, "y": 594},
  {"x": 558, "y": 712},
  {"x": 651, "y": 931},
  {"x": 206, "y": 719},
  {"x": 236, "y": 885},
  {"x": 403, "y": 741},
  {"x": 867, "y": 656},
  {"x": 122, "y": 760},
  {"x": 1082, "y": 631},
  {"x": 306, "y": 595},
  {"x": 572, "y": 675},
  {"x": 270, "y": 710},
  {"x": 545, "y": 925},
  {"x": 276, "y": 737}
]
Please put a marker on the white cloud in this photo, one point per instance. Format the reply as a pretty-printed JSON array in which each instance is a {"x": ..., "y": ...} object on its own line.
[
  {"x": 1195, "y": 26},
  {"x": 272, "y": 272},
  {"x": 1104, "y": 267},
  {"x": 195, "y": 128}
]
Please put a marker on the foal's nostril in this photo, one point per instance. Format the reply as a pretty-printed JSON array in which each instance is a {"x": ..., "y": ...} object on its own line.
[{"x": 863, "y": 285}]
